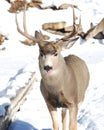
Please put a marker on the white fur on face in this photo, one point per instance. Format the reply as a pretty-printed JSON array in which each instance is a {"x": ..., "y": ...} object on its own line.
[{"x": 49, "y": 60}]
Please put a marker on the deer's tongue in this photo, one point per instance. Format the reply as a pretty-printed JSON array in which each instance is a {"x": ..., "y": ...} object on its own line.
[{"x": 49, "y": 71}]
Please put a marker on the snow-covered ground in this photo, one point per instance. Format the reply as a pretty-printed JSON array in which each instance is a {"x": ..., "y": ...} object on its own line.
[{"x": 18, "y": 62}]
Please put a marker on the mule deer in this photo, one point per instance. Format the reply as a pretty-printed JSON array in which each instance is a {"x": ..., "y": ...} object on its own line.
[{"x": 64, "y": 79}]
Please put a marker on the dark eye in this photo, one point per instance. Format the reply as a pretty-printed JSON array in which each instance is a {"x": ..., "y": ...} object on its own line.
[
  {"x": 41, "y": 54},
  {"x": 56, "y": 54}
]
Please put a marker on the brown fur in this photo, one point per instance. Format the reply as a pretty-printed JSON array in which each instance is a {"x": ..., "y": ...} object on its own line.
[{"x": 48, "y": 48}]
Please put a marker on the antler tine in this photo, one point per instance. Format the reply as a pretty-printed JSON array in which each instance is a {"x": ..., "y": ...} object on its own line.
[
  {"x": 24, "y": 33},
  {"x": 77, "y": 27},
  {"x": 74, "y": 17},
  {"x": 24, "y": 20},
  {"x": 74, "y": 31}
]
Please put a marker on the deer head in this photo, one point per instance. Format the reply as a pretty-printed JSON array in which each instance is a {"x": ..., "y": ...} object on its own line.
[{"x": 50, "y": 55}]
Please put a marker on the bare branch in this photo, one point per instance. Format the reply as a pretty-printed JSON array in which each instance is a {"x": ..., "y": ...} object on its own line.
[
  {"x": 97, "y": 31},
  {"x": 94, "y": 31},
  {"x": 2, "y": 38},
  {"x": 17, "y": 6},
  {"x": 54, "y": 7}
]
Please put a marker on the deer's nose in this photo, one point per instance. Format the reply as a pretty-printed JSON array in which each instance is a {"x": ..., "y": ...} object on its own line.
[{"x": 47, "y": 68}]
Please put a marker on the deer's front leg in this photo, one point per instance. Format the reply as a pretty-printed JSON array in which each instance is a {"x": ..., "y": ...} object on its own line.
[
  {"x": 54, "y": 116},
  {"x": 63, "y": 118},
  {"x": 73, "y": 110},
  {"x": 52, "y": 110}
]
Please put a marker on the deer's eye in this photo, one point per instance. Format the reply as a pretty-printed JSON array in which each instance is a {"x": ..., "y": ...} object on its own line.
[
  {"x": 56, "y": 54},
  {"x": 41, "y": 54}
]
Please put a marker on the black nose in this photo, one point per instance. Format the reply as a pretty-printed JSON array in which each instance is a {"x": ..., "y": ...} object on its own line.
[{"x": 47, "y": 68}]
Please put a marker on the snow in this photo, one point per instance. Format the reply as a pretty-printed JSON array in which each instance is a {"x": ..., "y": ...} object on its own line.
[{"x": 18, "y": 62}]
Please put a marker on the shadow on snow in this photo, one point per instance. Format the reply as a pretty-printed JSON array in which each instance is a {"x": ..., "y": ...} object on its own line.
[{"x": 22, "y": 125}]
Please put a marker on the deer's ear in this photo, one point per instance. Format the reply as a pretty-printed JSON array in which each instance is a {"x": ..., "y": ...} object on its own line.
[
  {"x": 67, "y": 43},
  {"x": 37, "y": 35},
  {"x": 40, "y": 36}
]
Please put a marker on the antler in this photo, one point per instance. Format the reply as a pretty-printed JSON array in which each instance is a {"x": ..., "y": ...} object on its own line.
[
  {"x": 76, "y": 29},
  {"x": 24, "y": 33},
  {"x": 70, "y": 39}
]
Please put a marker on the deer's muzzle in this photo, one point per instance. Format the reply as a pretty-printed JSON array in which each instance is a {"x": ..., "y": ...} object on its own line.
[{"x": 47, "y": 68}]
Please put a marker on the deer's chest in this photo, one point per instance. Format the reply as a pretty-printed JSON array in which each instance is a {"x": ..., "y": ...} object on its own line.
[
  {"x": 56, "y": 100},
  {"x": 55, "y": 96},
  {"x": 54, "y": 89}
]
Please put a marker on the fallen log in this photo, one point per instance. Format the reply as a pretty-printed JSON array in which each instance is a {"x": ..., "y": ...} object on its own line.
[{"x": 16, "y": 103}]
